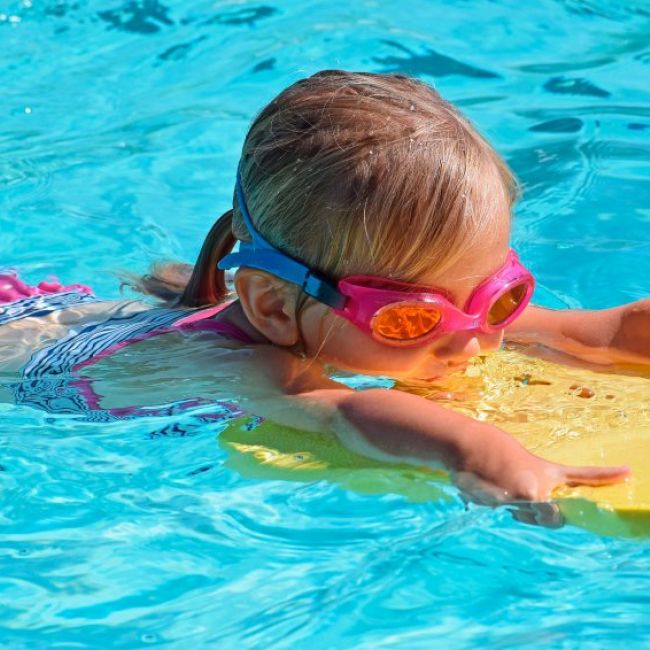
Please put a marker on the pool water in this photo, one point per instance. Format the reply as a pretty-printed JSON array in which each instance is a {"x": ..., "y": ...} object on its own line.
[{"x": 121, "y": 128}]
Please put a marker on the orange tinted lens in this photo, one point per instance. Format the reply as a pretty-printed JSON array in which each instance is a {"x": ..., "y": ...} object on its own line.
[
  {"x": 506, "y": 305},
  {"x": 406, "y": 322}
]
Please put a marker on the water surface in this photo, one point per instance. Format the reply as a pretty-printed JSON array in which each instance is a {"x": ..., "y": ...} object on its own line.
[{"x": 121, "y": 127}]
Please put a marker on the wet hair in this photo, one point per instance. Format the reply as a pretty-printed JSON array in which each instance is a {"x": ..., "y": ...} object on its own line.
[{"x": 355, "y": 173}]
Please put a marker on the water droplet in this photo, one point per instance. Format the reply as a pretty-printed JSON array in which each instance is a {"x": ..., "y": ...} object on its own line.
[{"x": 28, "y": 110}]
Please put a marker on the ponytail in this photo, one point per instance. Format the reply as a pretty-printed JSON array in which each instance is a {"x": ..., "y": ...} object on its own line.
[
  {"x": 184, "y": 285},
  {"x": 207, "y": 285}
]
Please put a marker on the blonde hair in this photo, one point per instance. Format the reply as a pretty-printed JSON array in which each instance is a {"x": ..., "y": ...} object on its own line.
[{"x": 355, "y": 173}]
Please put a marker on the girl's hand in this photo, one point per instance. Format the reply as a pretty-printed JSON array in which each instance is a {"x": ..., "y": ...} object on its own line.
[
  {"x": 497, "y": 470},
  {"x": 632, "y": 336}
]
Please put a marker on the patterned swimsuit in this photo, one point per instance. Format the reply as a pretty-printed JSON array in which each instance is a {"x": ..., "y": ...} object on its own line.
[{"x": 51, "y": 379}]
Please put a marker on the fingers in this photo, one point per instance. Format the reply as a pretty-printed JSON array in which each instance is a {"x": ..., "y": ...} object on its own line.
[
  {"x": 535, "y": 513},
  {"x": 632, "y": 338},
  {"x": 595, "y": 476},
  {"x": 478, "y": 491},
  {"x": 536, "y": 486},
  {"x": 541, "y": 513}
]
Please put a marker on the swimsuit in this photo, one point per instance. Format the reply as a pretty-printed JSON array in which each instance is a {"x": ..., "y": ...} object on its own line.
[{"x": 51, "y": 380}]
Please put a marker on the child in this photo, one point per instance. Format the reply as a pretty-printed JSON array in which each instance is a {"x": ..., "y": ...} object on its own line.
[{"x": 373, "y": 223}]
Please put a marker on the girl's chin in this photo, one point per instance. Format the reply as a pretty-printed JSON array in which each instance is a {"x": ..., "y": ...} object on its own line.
[
  {"x": 441, "y": 373},
  {"x": 427, "y": 379}
]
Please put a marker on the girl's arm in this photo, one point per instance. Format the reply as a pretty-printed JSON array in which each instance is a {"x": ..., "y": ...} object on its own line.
[
  {"x": 386, "y": 425},
  {"x": 606, "y": 336},
  {"x": 393, "y": 426}
]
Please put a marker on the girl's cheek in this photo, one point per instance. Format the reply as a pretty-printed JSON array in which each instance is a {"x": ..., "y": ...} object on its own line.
[
  {"x": 461, "y": 346},
  {"x": 337, "y": 342},
  {"x": 491, "y": 342},
  {"x": 315, "y": 328}
]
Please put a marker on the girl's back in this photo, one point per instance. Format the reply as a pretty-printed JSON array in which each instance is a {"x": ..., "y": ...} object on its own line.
[{"x": 51, "y": 341}]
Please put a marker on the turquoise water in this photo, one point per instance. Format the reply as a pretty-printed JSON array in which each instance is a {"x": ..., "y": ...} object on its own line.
[{"x": 121, "y": 127}]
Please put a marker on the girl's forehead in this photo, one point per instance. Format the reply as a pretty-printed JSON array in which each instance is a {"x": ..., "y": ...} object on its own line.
[
  {"x": 479, "y": 261},
  {"x": 487, "y": 238}
]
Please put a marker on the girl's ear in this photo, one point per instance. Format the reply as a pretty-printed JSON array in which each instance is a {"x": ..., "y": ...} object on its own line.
[{"x": 269, "y": 305}]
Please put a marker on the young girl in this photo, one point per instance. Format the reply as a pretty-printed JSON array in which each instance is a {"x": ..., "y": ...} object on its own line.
[{"x": 373, "y": 224}]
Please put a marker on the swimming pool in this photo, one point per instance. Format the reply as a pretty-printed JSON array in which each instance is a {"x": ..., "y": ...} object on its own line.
[{"x": 121, "y": 130}]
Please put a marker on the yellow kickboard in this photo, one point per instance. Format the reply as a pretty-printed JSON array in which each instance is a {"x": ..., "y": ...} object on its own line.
[{"x": 568, "y": 415}]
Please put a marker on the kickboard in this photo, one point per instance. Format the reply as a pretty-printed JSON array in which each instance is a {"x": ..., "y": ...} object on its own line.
[{"x": 565, "y": 414}]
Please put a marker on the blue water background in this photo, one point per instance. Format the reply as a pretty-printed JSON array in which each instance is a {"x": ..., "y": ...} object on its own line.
[{"x": 121, "y": 125}]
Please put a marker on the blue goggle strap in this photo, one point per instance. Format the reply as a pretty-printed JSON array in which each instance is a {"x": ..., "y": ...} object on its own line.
[{"x": 260, "y": 254}]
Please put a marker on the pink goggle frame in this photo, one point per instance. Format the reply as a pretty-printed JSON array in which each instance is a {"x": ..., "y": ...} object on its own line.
[{"x": 403, "y": 314}]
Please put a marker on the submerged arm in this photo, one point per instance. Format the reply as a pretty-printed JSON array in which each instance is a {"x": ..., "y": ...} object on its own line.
[{"x": 392, "y": 426}]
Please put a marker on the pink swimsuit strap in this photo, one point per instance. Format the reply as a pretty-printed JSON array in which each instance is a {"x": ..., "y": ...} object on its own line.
[{"x": 202, "y": 320}]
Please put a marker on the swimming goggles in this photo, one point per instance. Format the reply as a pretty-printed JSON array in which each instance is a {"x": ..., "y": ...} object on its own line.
[{"x": 395, "y": 313}]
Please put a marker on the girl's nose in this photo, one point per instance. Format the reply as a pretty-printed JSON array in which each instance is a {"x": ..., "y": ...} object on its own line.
[{"x": 462, "y": 346}]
